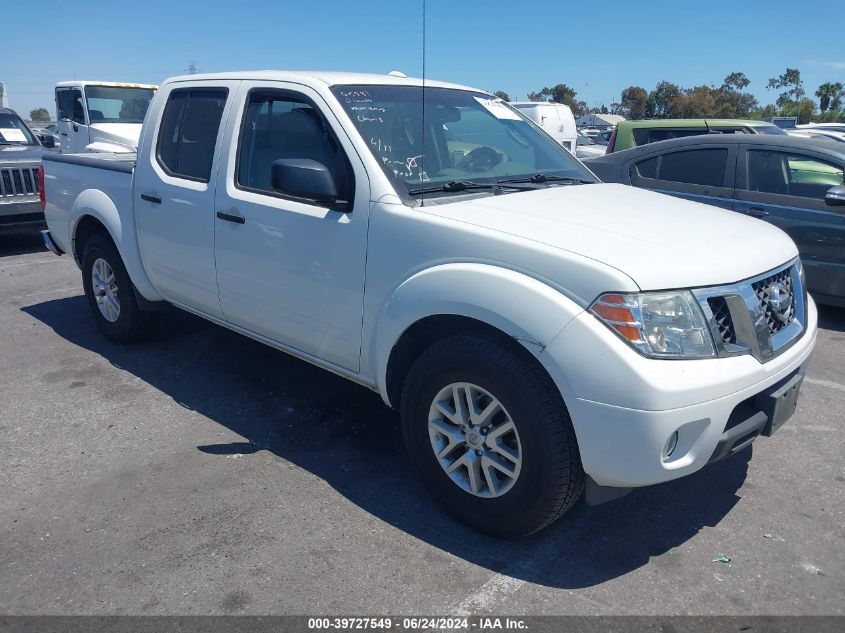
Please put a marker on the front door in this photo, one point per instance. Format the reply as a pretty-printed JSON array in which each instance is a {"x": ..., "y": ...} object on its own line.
[
  {"x": 72, "y": 125},
  {"x": 288, "y": 268},
  {"x": 174, "y": 192},
  {"x": 786, "y": 187}
]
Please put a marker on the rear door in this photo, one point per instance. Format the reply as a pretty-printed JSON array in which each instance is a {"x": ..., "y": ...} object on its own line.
[
  {"x": 72, "y": 124},
  {"x": 174, "y": 191},
  {"x": 292, "y": 269},
  {"x": 701, "y": 174},
  {"x": 786, "y": 187}
]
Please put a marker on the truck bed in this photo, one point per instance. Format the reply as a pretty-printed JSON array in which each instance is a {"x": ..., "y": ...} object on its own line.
[{"x": 72, "y": 182}]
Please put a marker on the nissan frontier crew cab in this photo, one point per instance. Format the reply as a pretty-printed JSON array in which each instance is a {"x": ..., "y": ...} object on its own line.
[{"x": 539, "y": 331}]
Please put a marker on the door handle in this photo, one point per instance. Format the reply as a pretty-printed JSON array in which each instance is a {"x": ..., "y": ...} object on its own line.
[
  {"x": 150, "y": 198},
  {"x": 231, "y": 217}
]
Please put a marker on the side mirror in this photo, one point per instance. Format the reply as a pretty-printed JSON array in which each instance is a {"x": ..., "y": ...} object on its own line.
[
  {"x": 304, "y": 178},
  {"x": 47, "y": 140},
  {"x": 835, "y": 196}
]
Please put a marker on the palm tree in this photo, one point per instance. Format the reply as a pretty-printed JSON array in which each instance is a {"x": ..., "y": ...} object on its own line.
[{"x": 828, "y": 92}]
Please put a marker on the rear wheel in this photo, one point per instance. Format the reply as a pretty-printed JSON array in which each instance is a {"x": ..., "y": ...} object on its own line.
[
  {"x": 111, "y": 295},
  {"x": 490, "y": 436}
]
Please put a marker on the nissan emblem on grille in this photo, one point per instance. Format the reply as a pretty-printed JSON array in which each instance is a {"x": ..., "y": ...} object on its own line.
[{"x": 780, "y": 301}]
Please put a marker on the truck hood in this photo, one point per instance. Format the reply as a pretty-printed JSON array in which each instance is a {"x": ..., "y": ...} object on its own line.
[
  {"x": 659, "y": 241},
  {"x": 120, "y": 134}
]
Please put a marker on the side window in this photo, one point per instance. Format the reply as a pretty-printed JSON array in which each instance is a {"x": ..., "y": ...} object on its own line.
[
  {"x": 695, "y": 167},
  {"x": 188, "y": 133},
  {"x": 645, "y": 168},
  {"x": 70, "y": 105},
  {"x": 281, "y": 125},
  {"x": 705, "y": 167},
  {"x": 789, "y": 174},
  {"x": 644, "y": 136}
]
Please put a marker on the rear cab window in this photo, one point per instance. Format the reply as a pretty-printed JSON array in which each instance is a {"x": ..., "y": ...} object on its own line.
[{"x": 188, "y": 132}]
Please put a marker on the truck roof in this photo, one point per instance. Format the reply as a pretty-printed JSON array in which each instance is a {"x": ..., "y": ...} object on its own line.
[
  {"x": 331, "y": 78},
  {"x": 77, "y": 83}
]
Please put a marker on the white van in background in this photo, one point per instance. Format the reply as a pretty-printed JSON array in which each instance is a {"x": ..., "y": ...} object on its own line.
[
  {"x": 101, "y": 116},
  {"x": 556, "y": 120}
]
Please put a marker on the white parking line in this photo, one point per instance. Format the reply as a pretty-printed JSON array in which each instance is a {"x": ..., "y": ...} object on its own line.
[
  {"x": 825, "y": 383},
  {"x": 487, "y": 595},
  {"x": 493, "y": 593}
]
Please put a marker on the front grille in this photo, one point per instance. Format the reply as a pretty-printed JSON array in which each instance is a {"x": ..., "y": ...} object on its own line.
[
  {"x": 722, "y": 317},
  {"x": 761, "y": 316},
  {"x": 18, "y": 181},
  {"x": 763, "y": 289}
]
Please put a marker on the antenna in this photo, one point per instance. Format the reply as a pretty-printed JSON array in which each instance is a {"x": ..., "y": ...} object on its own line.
[
  {"x": 192, "y": 68},
  {"x": 422, "y": 144}
]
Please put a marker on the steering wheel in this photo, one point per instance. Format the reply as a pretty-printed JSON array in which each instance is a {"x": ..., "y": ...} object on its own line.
[{"x": 479, "y": 159}]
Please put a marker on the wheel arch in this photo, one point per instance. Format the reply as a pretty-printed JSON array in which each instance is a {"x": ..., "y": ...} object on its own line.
[
  {"x": 94, "y": 212},
  {"x": 519, "y": 310}
]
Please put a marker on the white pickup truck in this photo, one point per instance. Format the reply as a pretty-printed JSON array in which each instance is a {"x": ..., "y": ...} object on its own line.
[{"x": 540, "y": 332}]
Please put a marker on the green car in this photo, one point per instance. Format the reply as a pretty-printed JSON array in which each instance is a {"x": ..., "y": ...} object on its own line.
[{"x": 630, "y": 134}]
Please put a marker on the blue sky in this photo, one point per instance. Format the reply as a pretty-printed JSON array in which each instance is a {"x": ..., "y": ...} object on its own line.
[{"x": 495, "y": 45}]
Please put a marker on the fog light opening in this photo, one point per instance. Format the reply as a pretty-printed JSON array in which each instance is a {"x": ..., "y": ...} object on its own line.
[{"x": 671, "y": 444}]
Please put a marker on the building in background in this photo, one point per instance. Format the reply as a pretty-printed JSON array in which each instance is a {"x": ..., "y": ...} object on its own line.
[{"x": 600, "y": 121}]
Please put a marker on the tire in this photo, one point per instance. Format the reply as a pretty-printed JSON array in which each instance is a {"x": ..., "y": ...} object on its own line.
[
  {"x": 549, "y": 478},
  {"x": 131, "y": 323}
]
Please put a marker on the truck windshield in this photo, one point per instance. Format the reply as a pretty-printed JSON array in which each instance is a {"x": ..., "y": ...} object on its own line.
[
  {"x": 459, "y": 136},
  {"x": 117, "y": 104},
  {"x": 13, "y": 131}
]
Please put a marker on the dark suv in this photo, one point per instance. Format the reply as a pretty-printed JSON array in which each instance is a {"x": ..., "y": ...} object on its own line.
[{"x": 20, "y": 162}]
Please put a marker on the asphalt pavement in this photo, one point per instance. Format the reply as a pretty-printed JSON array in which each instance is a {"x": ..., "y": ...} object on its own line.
[{"x": 202, "y": 472}]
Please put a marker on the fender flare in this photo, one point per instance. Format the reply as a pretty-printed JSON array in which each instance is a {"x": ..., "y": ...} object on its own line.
[
  {"x": 523, "y": 307},
  {"x": 98, "y": 205}
]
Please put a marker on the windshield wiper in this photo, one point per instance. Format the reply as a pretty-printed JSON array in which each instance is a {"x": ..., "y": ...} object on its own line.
[
  {"x": 541, "y": 178},
  {"x": 464, "y": 185}
]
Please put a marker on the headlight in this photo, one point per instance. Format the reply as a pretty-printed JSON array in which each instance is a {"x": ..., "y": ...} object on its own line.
[{"x": 657, "y": 324}]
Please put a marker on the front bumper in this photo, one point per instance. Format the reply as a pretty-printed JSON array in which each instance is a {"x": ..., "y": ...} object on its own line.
[{"x": 625, "y": 407}]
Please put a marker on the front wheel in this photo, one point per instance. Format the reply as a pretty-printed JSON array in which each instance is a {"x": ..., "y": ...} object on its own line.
[
  {"x": 490, "y": 436},
  {"x": 111, "y": 295}
]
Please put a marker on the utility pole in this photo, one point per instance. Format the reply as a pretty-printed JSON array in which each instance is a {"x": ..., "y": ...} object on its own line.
[{"x": 192, "y": 68}]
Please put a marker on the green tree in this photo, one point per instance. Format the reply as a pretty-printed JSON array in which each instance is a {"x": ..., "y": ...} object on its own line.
[
  {"x": 694, "y": 103},
  {"x": 736, "y": 81},
  {"x": 660, "y": 98},
  {"x": 561, "y": 93},
  {"x": 791, "y": 85},
  {"x": 764, "y": 112},
  {"x": 39, "y": 115},
  {"x": 633, "y": 103},
  {"x": 502, "y": 95},
  {"x": 830, "y": 96},
  {"x": 804, "y": 110}
]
